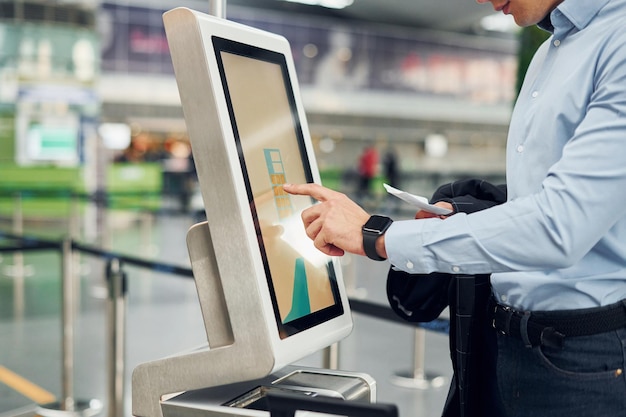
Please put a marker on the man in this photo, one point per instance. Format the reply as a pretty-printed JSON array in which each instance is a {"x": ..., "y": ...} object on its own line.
[{"x": 556, "y": 250}]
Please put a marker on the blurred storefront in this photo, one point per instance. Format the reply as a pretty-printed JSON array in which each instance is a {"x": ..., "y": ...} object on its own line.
[
  {"x": 49, "y": 107},
  {"x": 49, "y": 66}
]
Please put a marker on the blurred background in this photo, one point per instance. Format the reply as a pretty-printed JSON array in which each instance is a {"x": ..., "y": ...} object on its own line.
[
  {"x": 430, "y": 82},
  {"x": 93, "y": 146}
]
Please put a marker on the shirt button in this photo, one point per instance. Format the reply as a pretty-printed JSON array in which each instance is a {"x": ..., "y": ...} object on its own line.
[
  {"x": 455, "y": 269},
  {"x": 535, "y": 94},
  {"x": 503, "y": 298},
  {"x": 557, "y": 42},
  {"x": 520, "y": 148},
  {"x": 409, "y": 265}
]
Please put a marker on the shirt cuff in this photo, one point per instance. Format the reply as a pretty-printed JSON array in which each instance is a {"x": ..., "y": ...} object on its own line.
[{"x": 403, "y": 243}]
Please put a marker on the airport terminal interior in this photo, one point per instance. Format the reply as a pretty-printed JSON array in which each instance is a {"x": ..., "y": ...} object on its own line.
[{"x": 98, "y": 181}]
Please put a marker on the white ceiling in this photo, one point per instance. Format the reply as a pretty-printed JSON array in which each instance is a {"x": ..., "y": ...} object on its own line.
[{"x": 449, "y": 15}]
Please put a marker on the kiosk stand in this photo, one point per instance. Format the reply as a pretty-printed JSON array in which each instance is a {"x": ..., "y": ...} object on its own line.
[
  {"x": 230, "y": 375},
  {"x": 268, "y": 297}
]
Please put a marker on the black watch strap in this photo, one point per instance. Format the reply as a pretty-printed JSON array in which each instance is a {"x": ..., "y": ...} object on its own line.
[
  {"x": 375, "y": 227},
  {"x": 369, "y": 245}
]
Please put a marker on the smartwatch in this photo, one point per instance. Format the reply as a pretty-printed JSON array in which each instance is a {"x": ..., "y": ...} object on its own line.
[{"x": 374, "y": 228}]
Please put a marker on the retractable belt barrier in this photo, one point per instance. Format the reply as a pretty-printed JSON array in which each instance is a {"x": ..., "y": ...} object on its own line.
[
  {"x": 116, "y": 278},
  {"x": 30, "y": 243}
]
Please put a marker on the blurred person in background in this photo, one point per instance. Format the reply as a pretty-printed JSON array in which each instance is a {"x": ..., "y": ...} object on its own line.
[
  {"x": 141, "y": 149},
  {"x": 391, "y": 173},
  {"x": 367, "y": 169},
  {"x": 555, "y": 340},
  {"x": 391, "y": 170}
]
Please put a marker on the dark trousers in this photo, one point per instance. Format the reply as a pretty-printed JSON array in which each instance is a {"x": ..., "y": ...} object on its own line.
[{"x": 584, "y": 378}]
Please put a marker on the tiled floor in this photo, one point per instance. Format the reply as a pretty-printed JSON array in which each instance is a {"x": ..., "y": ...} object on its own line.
[{"x": 163, "y": 317}]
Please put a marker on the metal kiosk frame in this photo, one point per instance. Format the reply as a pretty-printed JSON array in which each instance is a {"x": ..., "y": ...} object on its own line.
[{"x": 236, "y": 370}]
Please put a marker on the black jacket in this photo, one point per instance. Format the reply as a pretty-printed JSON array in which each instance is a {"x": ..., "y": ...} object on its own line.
[{"x": 422, "y": 298}]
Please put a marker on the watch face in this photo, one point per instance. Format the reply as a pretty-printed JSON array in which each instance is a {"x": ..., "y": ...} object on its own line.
[{"x": 377, "y": 224}]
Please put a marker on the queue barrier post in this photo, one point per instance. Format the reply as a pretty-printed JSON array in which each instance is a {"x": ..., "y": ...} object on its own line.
[
  {"x": 68, "y": 406},
  {"x": 418, "y": 378},
  {"x": 19, "y": 270},
  {"x": 116, "y": 335}
]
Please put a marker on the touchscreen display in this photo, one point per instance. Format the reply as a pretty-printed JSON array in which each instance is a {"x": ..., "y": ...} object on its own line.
[{"x": 271, "y": 150}]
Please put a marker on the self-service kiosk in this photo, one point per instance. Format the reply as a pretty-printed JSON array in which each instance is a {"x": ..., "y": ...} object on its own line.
[{"x": 268, "y": 297}]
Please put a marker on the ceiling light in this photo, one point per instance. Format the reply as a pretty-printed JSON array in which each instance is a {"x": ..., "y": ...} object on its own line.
[{"x": 331, "y": 4}]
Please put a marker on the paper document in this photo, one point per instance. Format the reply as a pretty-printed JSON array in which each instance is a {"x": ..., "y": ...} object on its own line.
[{"x": 416, "y": 200}]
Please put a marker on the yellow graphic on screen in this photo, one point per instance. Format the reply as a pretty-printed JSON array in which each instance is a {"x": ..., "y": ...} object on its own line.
[{"x": 276, "y": 170}]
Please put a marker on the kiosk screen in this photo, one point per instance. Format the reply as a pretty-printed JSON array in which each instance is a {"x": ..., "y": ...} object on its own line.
[{"x": 271, "y": 149}]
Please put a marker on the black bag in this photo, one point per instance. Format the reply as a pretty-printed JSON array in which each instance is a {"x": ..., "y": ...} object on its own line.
[
  {"x": 418, "y": 298},
  {"x": 423, "y": 297}
]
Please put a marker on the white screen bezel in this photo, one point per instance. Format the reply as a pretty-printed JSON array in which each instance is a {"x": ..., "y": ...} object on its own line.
[{"x": 301, "y": 344}]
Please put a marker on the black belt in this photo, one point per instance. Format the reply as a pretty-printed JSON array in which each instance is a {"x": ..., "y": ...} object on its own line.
[{"x": 549, "y": 328}]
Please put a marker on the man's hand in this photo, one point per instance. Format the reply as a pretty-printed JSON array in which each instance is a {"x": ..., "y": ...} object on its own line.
[{"x": 335, "y": 224}]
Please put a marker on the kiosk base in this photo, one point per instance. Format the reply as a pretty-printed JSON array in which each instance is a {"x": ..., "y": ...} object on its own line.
[{"x": 247, "y": 399}]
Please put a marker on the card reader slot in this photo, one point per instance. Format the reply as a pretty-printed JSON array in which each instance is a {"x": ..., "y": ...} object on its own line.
[{"x": 256, "y": 399}]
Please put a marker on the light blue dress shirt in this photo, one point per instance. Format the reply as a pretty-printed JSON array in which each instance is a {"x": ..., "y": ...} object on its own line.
[{"x": 560, "y": 240}]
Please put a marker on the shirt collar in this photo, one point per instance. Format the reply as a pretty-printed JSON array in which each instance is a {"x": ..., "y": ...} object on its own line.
[{"x": 577, "y": 12}]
